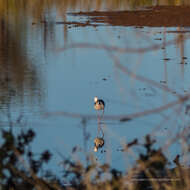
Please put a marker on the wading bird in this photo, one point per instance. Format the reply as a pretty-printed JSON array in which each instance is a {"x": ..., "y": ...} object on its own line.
[{"x": 98, "y": 104}]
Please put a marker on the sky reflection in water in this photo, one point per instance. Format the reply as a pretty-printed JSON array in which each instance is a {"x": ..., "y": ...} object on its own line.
[{"x": 40, "y": 77}]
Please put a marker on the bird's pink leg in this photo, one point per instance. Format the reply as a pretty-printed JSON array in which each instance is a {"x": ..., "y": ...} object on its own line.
[
  {"x": 103, "y": 114},
  {"x": 99, "y": 122},
  {"x": 99, "y": 118}
]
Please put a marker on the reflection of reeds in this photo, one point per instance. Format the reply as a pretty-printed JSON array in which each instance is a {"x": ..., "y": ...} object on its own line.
[
  {"x": 18, "y": 74},
  {"x": 36, "y": 8},
  {"x": 151, "y": 168}
]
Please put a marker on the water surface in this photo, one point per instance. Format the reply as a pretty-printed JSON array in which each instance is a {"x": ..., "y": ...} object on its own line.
[{"x": 57, "y": 68}]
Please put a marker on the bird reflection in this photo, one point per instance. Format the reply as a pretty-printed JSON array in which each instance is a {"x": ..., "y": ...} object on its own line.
[{"x": 98, "y": 143}]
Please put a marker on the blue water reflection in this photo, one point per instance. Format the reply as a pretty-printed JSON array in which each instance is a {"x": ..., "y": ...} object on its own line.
[{"x": 68, "y": 81}]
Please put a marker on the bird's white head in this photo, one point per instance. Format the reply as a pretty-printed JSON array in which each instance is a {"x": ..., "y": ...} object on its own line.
[{"x": 95, "y": 99}]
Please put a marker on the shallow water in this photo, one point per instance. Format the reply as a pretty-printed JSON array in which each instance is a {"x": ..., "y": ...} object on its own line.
[{"x": 41, "y": 75}]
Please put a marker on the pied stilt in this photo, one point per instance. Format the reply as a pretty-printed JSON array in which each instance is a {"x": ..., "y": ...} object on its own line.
[{"x": 98, "y": 104}]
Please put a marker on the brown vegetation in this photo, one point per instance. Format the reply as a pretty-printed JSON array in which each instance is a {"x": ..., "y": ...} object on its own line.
[{"x": 159, "y": 16}]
